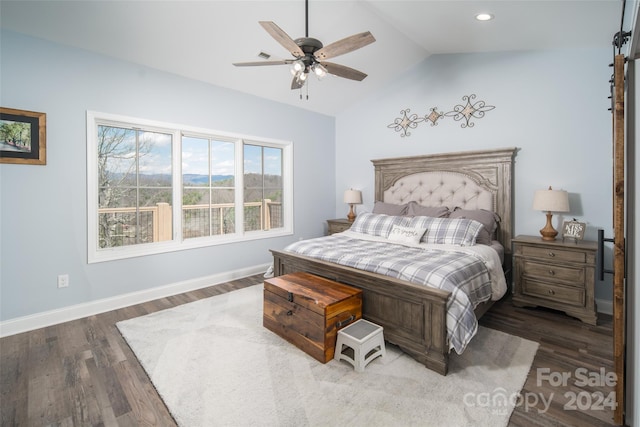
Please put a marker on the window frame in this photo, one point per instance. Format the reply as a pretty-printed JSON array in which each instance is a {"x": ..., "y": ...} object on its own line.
[{"x": 96, "y": 254}]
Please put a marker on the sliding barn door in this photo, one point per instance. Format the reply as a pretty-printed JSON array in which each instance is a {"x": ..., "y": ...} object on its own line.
[{"x": 619, "y": 232}]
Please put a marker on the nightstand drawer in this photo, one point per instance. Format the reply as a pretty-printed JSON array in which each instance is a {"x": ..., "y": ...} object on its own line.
[
  {"x": 554, "y": 254},
  {"x": 555, "y": 293},
  {"x": 574, "y": 276}
]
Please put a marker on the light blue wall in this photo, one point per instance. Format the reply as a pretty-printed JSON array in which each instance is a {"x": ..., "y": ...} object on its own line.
[
  {"x": 552, "y": 105},
  {"x": 43, "y": 228}
]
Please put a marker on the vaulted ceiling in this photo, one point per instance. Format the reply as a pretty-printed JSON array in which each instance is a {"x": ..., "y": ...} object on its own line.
[{"x": 201, "y": 39}]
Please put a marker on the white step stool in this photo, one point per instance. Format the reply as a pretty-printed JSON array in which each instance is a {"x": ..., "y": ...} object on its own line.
[{"x": 366, "y": 341}]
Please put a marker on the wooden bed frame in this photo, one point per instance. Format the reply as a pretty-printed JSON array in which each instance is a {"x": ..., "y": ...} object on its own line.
[{"x": 414, "y": 316}]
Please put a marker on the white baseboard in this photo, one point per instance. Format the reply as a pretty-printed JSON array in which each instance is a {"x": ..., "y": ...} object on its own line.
[
  {"x": 78, "y": 311},
  {"x": 604, "y": 306}
]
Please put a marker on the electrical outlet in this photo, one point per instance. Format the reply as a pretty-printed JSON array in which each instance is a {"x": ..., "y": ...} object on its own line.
[{"x": 63, "y": 280}]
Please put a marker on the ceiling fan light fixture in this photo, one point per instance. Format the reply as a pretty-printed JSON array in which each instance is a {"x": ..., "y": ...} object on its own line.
[
  {"x": 319, "y": 70},
  {"x": 297, "y": 66}
]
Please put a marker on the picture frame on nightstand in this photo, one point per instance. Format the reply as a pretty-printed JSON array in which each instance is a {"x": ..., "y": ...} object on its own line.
[{"x": 573, "y": 230}]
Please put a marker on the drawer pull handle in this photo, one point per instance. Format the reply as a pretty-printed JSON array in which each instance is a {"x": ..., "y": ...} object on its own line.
[
  {"x": 551, "y": 254},
  {"x": 289, "y": 313},
  {"x": 552, "y": 273},
  {"x": 344, "y": 322},
  {"x": 551, "y": 292}
]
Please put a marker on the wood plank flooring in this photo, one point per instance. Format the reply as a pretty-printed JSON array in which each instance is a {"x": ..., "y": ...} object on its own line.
[
  {"x": 582, "y": 353},
  {"x": 82, "y": 373}
]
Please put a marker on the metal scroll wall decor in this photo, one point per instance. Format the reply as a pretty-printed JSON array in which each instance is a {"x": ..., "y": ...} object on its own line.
[{"x": 465, "y": 113}]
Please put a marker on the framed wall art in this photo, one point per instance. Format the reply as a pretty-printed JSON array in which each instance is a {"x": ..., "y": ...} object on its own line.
[
  {"x": 23, "y": 137},
  {"x": 573, "y": 230}
]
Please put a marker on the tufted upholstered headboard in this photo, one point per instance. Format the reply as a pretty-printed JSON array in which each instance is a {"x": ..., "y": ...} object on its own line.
[{"x": 469, "y": 180}]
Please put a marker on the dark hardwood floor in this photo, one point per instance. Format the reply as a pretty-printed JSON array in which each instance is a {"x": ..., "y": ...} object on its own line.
[
  {"x": 82, "y": 373},
  {"x": 571, "y": 380}
]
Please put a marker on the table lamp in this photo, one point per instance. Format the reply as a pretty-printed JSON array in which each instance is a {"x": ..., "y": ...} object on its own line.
[
  {"x": 550, "y": 201},
  {"x": 352, "y": 197}
]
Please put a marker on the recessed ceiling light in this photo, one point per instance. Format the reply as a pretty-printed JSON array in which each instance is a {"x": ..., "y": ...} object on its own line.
[{"x": 484, "y": 17}]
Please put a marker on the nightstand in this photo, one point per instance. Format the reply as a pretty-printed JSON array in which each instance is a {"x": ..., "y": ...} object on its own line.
[
  {"x": 555, "y": 274},
  {"x": 338, "y": 225}
]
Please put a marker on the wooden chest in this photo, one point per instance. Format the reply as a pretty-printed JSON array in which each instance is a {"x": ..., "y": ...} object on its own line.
[{"x": 308, "y": 311}]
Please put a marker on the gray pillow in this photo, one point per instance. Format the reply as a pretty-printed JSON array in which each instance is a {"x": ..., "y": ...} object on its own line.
[
  {"x": 390, "y": 209},
  {"x": 488, "y": 219},
  {"x": 416, "y": 209}
]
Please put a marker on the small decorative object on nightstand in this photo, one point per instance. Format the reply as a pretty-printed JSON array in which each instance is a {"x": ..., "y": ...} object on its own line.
[
  {"x": 550, "y": 201},
  {"x": 338, "y": 225},
  {"x": 556, "y": 275},
  {"x": 352, "y": 197},
  {"x": 573, "y": 230}
]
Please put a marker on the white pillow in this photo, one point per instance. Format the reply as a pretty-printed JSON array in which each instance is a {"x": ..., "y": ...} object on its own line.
[{"x": 402, "y": 234}]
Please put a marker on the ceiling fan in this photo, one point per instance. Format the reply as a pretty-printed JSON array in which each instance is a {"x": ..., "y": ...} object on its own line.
[{"x": 310, "y": 53}]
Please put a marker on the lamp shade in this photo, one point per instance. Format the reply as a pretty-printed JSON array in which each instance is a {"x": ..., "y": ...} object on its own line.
[
  {"x": 551, "y": 200},
  {"x": 353, "y": 197}
]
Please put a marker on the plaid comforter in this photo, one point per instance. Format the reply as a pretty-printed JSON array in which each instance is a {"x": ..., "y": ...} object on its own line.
[{"x": 462, "y": 273}]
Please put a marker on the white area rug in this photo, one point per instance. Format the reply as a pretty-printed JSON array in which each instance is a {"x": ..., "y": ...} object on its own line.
[{"x": 214, "y": 364}]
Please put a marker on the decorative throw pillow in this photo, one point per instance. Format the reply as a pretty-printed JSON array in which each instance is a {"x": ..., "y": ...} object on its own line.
[
  {"x": 402, "y": 234},
  {"x": 376, "y": 224},
  {"x": 487, "y": 218},
  {"x": 416, "y": 209},
  {"x": 389, "y": 209},
  {"x": 457, "y": 231}
]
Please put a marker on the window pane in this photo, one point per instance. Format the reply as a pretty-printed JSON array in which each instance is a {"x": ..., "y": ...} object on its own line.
[
  {"x": 195, "y": 161},
  {"x": 223, "y": 211},
  {"x": 116, "y": 156},
  {"x": 208, "y": 167},
  {"x": 134, "y": 187},
  {"x": 154, "y": 154},
  {"x": 196, "y": 219},
  {"x": 262, "y": 188},
  {"x": 223, "y": 164}
]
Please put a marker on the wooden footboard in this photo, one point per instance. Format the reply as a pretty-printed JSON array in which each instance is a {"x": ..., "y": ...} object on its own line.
[{"x": 413, "y": 316}]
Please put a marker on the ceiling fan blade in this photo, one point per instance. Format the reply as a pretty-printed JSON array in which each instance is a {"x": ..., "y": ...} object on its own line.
[
  {"x": 258, "y": 63},
  {"x": 343, "y": 71},
  {"x": 296, "y": 83},
  {"x": 282, "y": 38},
  {"x": 345, "y": 45}
]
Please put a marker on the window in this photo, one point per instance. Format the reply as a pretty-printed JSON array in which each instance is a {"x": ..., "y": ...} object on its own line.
[
  {"x": 208, "y": 187},
  {"x": 134, "y": 184},
  {"x": 262, "y": 187},
  {"x": 157, "y": 187}
]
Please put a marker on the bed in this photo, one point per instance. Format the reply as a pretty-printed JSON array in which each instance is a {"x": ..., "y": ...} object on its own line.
[{"x": 415, "y": 316}]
